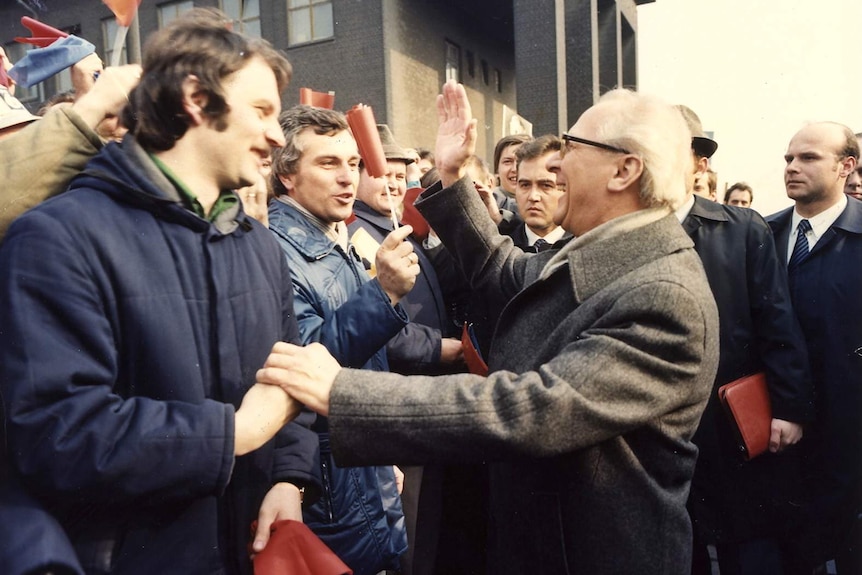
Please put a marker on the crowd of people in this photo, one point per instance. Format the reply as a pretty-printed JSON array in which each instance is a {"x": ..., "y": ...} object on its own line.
[{"x": 216, "y": 318}]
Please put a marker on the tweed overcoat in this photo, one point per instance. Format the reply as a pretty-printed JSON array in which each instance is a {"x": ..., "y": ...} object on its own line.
[{"x": 600, "y": 373}]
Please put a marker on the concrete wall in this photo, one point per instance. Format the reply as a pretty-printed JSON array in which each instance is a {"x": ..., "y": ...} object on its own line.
[{"x": 415, "y": 52}]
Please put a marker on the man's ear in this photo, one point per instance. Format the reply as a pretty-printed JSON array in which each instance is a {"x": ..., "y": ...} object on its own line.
[
  {"x": 194, "y": 99},
  {"x": 848, "y": 164},
  {"x": 628, "y": 170},
  {"x": 287, "y": 182},
  {"x": 701, "y": 165}
]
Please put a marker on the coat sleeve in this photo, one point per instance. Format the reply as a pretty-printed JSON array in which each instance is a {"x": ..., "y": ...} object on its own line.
[
  {"x": 41, "y": 160},
  {"x": 647, "y": 362},
  {"x": 69, "y": 432},
  {"x": 356, "y": 330},
  {"x": 489, "y": 261},
  {"x": 781, "y": 346},
  {"x": 416, "y": 349}
]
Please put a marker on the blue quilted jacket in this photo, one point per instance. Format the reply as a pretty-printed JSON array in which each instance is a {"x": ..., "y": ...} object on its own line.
[
  {"x": 359, "y": 515},
  {"x": 130, "y": 329}
]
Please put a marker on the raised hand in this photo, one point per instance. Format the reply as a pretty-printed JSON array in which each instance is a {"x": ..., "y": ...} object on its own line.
[
  {"x": 397, "y": 265},
  {"x": 107, "y": 96},
  {"x": 456, "y": 134}
]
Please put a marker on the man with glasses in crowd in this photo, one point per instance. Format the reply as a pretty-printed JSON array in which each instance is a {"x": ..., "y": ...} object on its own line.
[{"x": 599, "y": 370}]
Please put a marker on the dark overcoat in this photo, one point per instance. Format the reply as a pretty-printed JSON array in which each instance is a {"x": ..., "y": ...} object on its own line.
[
  {"x": 733, "y": 499},
  {"x": 825, "y": 292}
]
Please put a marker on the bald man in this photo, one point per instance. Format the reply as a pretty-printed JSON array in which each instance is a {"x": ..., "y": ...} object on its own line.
[{"x": 820, "y": 240}]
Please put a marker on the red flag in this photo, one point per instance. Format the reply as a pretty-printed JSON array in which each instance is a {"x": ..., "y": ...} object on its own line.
[
  {"x": 42, "y": 34},
  {"x": 124, "y": 10}
]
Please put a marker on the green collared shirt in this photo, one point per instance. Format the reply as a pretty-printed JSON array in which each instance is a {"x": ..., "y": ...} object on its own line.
[{"x": 226, "y": 198}]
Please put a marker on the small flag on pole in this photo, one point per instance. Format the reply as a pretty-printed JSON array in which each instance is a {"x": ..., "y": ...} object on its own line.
[{"x": 125, "y": 11}]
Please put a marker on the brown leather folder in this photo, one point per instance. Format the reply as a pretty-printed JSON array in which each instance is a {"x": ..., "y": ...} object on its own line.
[{"x": 746, "y": 402}]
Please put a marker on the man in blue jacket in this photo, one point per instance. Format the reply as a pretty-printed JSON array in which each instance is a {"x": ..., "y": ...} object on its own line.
[
  {"x": 314, "y": 177},
  {"x": 136, "y": 308}
]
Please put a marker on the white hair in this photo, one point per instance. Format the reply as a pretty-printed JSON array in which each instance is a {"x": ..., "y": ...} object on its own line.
[{"x": 654, "y": 130}]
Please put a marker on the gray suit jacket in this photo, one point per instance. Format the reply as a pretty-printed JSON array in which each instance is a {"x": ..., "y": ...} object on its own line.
[{"x": 600, "y": 373}]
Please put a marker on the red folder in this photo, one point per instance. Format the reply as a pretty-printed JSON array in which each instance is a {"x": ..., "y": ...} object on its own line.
[
  {"x": 746, "y": 402},
  {"x": 412, "y": 217},
  {"x": 293, "y": 549},
  {"x": 361, "y": 120},
  {"x": 472, "y": 355}
]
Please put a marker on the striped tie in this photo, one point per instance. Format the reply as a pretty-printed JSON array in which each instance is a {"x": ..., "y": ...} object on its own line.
[
  {"x": 541, "y": 245},
  {"x": 800, "y": 249}
]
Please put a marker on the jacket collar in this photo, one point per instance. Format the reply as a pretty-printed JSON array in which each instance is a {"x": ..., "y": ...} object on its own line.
[
  {"x": 850, "y": 219},
  {"x": 127, "y": 174},
  {"x": 294, "y": 228},
  {"x": 598, "y": 264},
  {"x": 364, "y": 212},
  {"x": 703, "y": 209}
]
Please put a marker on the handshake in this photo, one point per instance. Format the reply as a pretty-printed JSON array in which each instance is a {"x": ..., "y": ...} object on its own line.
[{"x": 293, "y": 376}]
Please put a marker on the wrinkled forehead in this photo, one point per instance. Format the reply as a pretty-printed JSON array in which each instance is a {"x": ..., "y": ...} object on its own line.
[{"x": 339, "y": 143}]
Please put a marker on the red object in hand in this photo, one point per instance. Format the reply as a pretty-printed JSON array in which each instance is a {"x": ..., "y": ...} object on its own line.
[
  {"x": 42, "y": 34},
  {"x": 294, "y": 549},
  {"x": 360, "y": 118}
]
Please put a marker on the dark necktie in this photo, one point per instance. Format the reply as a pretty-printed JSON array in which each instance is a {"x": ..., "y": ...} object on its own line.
[
  {"x": 541, "y": 245},
  {"x": 800, "y": 249}
]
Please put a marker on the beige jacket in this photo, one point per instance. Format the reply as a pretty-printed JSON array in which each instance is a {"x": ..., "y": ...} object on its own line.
[{"x": 39, "y": 161}]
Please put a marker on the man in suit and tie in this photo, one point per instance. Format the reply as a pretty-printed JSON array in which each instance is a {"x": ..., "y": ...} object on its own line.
[
  {"x": 820, "y": 240},
  {"x": 537, "y": 195},
  {"x": 740, "y": 506}
]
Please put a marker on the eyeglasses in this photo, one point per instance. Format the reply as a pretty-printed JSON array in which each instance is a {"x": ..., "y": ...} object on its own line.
[{"x": 569, "y": 138}]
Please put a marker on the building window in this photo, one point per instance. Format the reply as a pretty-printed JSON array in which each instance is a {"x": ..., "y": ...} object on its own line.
[
  {"x": 471, "y": 64},
  {"x": 33, "y": 94},
  {"x": 169, "y": 12},
  {"x": 245, "y": 15},
  {"x": 309, "y": 21},
  {"x": 109, "y": 33},
  {"x": 453, "y": 62},
  {"x": 498, "y": 80},
  {"x": 484, "y": 72}
]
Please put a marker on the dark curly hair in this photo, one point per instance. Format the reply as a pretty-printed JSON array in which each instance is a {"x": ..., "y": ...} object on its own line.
[{"x": 198, "y": 43}]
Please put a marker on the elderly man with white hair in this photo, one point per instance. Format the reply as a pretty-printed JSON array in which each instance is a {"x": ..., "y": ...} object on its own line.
[{"x": 600, "y": 367}]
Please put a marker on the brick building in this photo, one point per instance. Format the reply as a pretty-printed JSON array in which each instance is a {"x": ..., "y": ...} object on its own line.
[{"x": 547, "y": 60}]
